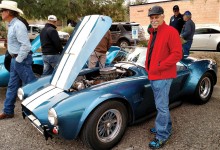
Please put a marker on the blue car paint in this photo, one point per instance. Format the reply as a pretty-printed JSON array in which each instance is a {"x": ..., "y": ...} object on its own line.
[
  {"x": 196, "y": 75},
  {"x": 98, "y": 94},
  {"x": 4, "y": 75}
]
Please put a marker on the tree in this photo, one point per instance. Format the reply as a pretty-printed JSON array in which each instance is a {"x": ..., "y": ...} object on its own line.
[{"x": 72, "y": 9}]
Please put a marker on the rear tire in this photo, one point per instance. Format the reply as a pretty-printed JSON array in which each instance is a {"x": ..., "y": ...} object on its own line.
[
  {"x": 105, "y": 126},
  {"x": 204, "y": 89},
  {"x": 218, "y": 47},
  {"x": 123, "y": 43},
  {"x": 38, "y": 70}
]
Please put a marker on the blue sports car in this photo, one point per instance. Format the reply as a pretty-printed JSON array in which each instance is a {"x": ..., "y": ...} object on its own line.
[{"x": 98, "y": 104}]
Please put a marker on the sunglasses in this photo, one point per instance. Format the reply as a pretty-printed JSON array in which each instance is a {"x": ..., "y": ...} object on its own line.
[{"x": 3, "y": 10}]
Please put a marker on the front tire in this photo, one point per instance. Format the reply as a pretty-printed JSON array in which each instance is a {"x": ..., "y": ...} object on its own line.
[
  {"x": 105, "y": 126},
  {"x": 204, "y": 89}
]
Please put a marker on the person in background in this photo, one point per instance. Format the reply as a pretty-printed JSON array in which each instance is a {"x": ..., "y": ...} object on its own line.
[
  {"x": 176, "y": 20},
  {"x": 164, "y": 51},
  {"x": 51, "y": 45},
  {"x": 19, "y": 47},
  {"x": 187, "y": 33},
  {"x": 99, "y": 54}
]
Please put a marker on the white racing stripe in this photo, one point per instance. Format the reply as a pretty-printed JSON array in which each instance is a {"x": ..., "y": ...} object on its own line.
[
  {"x": 85, "y": 20},
  {"x": 68, "y": 61},
  {"x": 59, "y": 69},
  {"x": 66, "y": 54},
  {"x": 39, "y": 100},
  {"x": 66, "y": 71},
  {"x": 83, "y": 36},
  {"x": 36, "y": 95}
]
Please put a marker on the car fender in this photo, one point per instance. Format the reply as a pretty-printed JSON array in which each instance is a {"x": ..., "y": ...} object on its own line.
[
  {"x": 197, "y": 69},
  {"x": 34, "y": 86},
  {"x": 101, "y": 99},
  {"x": 80, "y": 112}
]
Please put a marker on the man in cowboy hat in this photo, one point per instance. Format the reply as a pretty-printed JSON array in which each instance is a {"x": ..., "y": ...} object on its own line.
[{"x": 19, "y": 48}]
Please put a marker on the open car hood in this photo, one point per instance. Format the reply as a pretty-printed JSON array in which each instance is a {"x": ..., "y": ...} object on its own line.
[
  {"x": 84, "y": 40},
  {"x": 81, "y": 44}
]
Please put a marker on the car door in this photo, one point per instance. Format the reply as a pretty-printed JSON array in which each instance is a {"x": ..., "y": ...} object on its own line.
[
  {"x": 200, "y": 39},
  {"x": 147, "y": 105},
  {"x": 178, "y": 82},
  {"x": 214, "y": 36}
]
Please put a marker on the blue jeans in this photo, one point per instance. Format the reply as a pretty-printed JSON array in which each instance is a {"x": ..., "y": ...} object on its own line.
[
  {"x": 186, "y": 48},
  {"x": 50, "y": 62},
  {"x": 19, "y": 73},
  {"x": 163, "y": 124}
]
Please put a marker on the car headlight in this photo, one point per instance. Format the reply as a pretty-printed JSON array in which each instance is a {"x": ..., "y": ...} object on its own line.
[
  {"x": 52, "y": 117},
  {"x": 20, "y": 94}
]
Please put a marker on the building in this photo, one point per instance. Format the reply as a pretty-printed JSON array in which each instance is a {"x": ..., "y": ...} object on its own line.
[{"x": 204, "y": 12}]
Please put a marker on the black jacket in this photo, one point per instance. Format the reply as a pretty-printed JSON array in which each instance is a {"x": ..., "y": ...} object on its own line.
[
  {"x": 50, "y": 41},
  {"x": 177, "y": 22}
]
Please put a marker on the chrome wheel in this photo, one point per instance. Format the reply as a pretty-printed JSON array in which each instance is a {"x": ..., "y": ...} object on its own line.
[
  {"x": 105, "y": 125},
  {"x": 205, "y": 87},
  {"x": 109, "y": 125}
]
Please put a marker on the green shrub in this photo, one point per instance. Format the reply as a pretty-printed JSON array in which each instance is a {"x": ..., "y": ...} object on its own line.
[
  {"x": 68, "y": 29},
  {"x": 142, "y": 43},
  {"x": 3, "y": 31}
]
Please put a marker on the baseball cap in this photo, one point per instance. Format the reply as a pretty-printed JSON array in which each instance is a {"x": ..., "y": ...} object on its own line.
[
  {"x": 155, "y": 10},
  {"x": 176, "y": 7},
  {"x": 187, "y": 13},
  {"x": 52, "y": 18}
]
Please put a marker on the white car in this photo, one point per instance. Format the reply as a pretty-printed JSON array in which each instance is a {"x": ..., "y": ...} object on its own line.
[
  {"x": 35, "y": 30},
  {"x": 206, "y": 38}
]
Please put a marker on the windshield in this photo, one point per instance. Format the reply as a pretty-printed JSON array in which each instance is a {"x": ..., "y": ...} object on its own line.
[{"x": 136, "y": 55}]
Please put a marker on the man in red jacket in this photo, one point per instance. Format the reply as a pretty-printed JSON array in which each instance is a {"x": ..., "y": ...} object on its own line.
[{"x": 164, "y": 51}]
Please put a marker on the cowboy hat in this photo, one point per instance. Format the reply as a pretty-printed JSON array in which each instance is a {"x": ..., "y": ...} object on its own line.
[{"x": 10, "y": 5}]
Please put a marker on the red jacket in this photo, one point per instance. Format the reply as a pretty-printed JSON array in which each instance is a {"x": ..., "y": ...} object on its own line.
[{"x": 167, "y": 51}]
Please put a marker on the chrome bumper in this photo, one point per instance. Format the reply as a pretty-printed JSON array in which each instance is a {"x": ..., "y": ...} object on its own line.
[{"x": 43, "y": 129}]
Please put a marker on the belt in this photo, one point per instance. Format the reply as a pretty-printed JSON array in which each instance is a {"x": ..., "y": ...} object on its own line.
[{"x": 14, "y": 55}]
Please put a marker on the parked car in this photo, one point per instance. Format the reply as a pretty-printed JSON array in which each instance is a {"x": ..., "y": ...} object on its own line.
[
  {"x": 98, "y": 104},
  {"x": 35, "y": 30},
  {"x": 206, "y": 38},
  {"x": 122, "y": 33}
]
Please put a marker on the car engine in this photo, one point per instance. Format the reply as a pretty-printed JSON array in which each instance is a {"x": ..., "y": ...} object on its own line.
[{"x": 99, "y": 76}]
